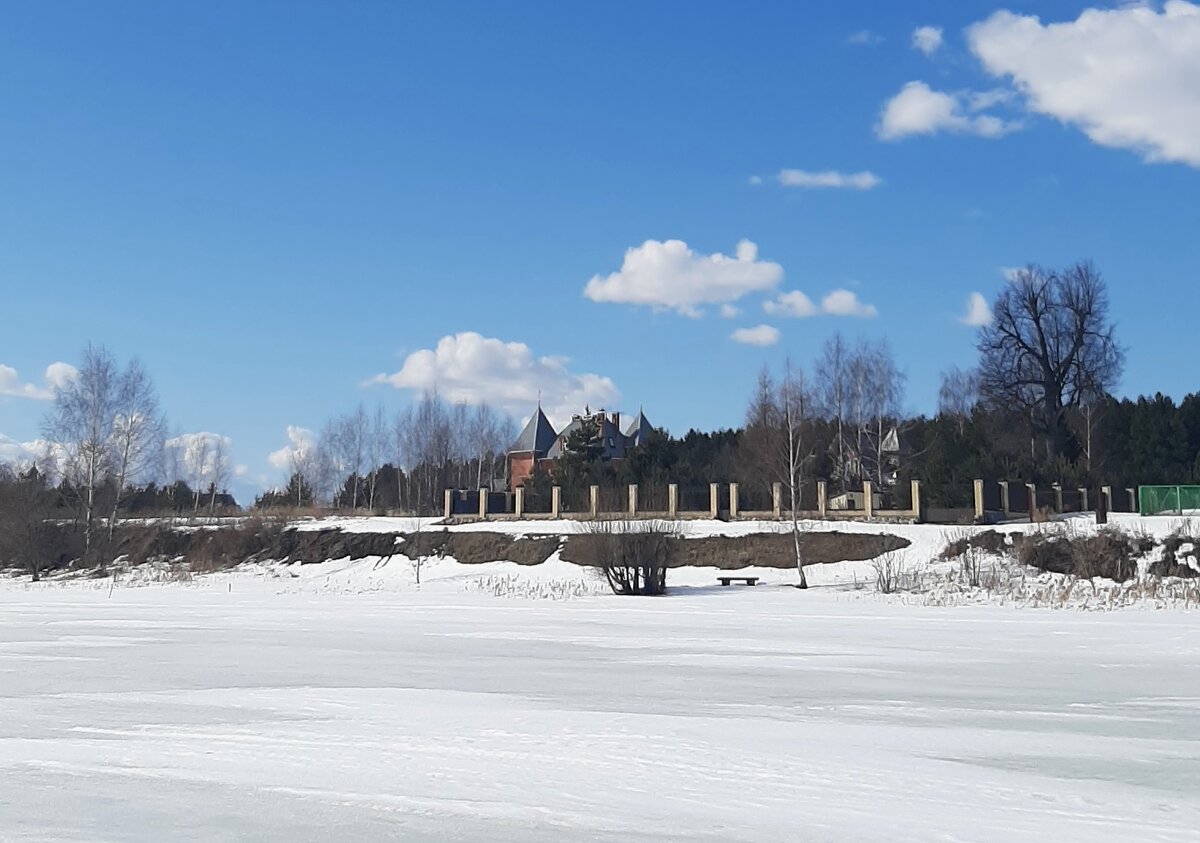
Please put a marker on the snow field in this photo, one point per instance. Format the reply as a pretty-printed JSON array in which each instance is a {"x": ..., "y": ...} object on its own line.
[{"x": 238, "y": 709}]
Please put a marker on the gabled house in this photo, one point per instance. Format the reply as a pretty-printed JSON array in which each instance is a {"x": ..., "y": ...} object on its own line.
[
  {"x": 540, "y": 445},
  {"x": 865, "y": 458}
]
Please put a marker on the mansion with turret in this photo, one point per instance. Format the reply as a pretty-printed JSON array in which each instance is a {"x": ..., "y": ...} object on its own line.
[{"x": 539, "y": 445}]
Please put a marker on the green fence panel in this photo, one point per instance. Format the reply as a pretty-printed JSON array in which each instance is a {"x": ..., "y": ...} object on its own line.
[{"x": 1165, "y": 500}]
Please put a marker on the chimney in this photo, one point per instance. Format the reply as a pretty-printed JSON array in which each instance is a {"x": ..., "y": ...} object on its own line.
[{"x": 616, "y": 421}]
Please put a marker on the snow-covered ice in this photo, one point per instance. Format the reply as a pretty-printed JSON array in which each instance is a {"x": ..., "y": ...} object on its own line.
[{"x": 265, "y": 708}]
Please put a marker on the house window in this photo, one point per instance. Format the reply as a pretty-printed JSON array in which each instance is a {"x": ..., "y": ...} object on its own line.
[{"x": 611, "y": 443}]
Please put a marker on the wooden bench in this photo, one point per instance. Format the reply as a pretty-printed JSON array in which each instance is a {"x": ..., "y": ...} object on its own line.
[{"x": 731, "y": 580}]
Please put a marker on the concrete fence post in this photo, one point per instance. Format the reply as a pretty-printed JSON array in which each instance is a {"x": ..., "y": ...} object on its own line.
[
  {"x": 519, "y": 501},
  {"x": 978, "y": 500},
  {"x": 449, "y": 502},
  {"x": 1106, "y": 493},
  {"x": 483, "y": 503},
  {"x": 777, "y": 500},
  {"x": 1133, "y": 501},
  {"x": 714, "y": 499},
  {"x": 673, "y": 500},
  {"x": 1031, "y": 490},
  {"x": 1005, "y": 500},
  {"x": 822, "y": 498},
  {"x": 594, "y": 500},
  {"x": 916, "y": 500},
  {"x": 633, "y": 501},
  {"x": 733, "y": 500},
  {"x": 868, "y": 500},
  {"x": 1058, "y": 498},
  {"x": 1083, "y": 500},
  {"x": 556, "y": 501}
]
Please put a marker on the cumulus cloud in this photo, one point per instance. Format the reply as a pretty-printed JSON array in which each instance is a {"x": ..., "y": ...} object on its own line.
[
  {"x": 846, "y": 303},
  {"x": 927, "y": 39},
  {"x": 978, "y": 312},
  {"x": 920, "y": 110},
  {"x": 1128, "y": 77},
  {"x": 301, "y": 442},
  {"x": 667, "y": 275},
  {"x": 201, "y": 457},
  {"x": 22, "y": 454},
  {"x": 864, "y": 180},
  {"x": 754, "y": 180},
  {"x": 729, "y": 311},
  {"x": 794, "y": 304},
  {"x": 760, "y": 335},
  {"x": 839, "y": 302},
  {"x": 57, "y": 375},
  {"x": 473, "y": 368},
  {"x": 865, "y": 38}
]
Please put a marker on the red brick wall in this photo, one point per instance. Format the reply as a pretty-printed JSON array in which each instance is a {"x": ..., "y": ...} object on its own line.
[{"x": 520, "y": 466}]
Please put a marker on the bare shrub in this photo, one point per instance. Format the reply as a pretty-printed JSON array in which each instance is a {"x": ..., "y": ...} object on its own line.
[
  {"x": 972, "y": 567},
  {"x": 634, "y": 555},
  {"x": 889, "y": 572}
]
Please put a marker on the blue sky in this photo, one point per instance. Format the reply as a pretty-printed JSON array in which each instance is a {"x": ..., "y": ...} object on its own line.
[{"x": 271, "y": 204}]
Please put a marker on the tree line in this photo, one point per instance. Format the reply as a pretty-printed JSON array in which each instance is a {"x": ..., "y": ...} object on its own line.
[{"x": 1037, "y": 406}]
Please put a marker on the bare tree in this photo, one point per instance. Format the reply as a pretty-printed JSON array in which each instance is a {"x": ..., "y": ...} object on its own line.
[
  {"x": 139, "y": 431},
  {"x": 832, "y": 377},
  {"x": 197, "y": 455},
  {"x": 958, "y": 395},
  {"x": 403, "y": 449},
  {"x": 795, "y": 450},
  {"x": 377, "y": 436},
  {"x": 885, "y": 397},
  {"x": 1050, "y": 345},
  {"x": 27, "y": 532},
  {"x": 756, "y": 444},
  {"x": 81, "y": 425},
  {"x": 221, "y": 469},
  {"x": 349, "y": 441}
]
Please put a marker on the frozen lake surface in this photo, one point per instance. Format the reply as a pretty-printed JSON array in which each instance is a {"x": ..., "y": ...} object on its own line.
[{"x": 202, "y": 714}]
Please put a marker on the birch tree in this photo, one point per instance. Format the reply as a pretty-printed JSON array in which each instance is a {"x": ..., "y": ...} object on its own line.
[
  {"x": 81, "y": 425},
  {"x": 138, "y": 435},
  {"x": 832, "y": 378},
  {"x": 795, "y": 449}
]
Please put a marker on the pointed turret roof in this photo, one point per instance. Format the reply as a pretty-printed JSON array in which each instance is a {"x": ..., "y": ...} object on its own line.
[
  {"x": 538, "y": 435},
  {"x": 639, "y": 430}
]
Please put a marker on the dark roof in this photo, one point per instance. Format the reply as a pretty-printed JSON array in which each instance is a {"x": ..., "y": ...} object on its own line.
[
  {"x": 639, "y": 430},
  {"x": 612, "y": 442},
  {"x": 537, "y": 437}
]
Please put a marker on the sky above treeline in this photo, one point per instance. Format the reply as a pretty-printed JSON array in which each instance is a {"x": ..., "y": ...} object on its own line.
[{"x": 285, "y": 209}]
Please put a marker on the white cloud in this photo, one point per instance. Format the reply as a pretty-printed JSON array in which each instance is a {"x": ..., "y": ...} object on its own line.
[
  {"x": 473, "y": 368},
  {"x": 1009, "y": 272},
  {"x": 864, "y": 180},
  {"x": 201, "y": 456},
  {"x": 301, "y": 442},
  {"x": 794, "y": 304},
  {"x": 760, "y": 335},
  {"x": 729, "y": 311},
  {"x": 56, "y": 375},
  {"x": 22, "y": 454},
  {"x": 927, "y": 39},
  {"x": 865, "y": 38},
  {"x": 668, "y": 275},
  {"x": 754, "y": 180},
  {"x": 846, "y": 303},
  {"x": 1128, "y": 77},
  {"x": 978, "y": 312},
  {"x": 920, "y": 110},
  {"x": 836, "y": 303}
]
